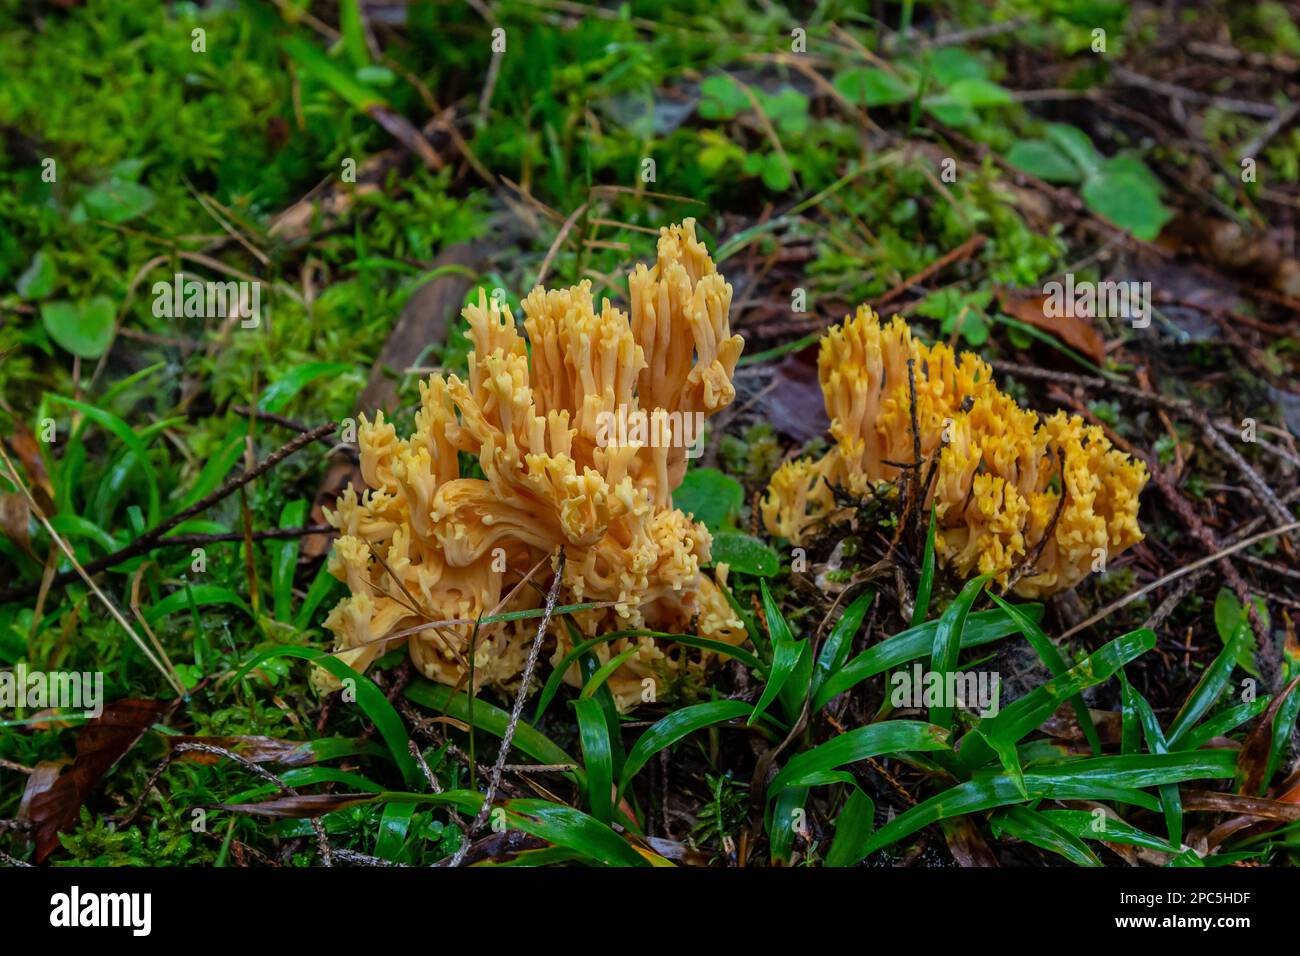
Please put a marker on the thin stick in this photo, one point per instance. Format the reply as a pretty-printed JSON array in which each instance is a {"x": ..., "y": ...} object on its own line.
[
  {"x": 1174, "y": 575},
  {"x": 559, "y": 240}
]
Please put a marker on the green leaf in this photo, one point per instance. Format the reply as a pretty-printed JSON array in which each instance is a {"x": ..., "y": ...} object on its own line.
[
  {"x": 781, "y": 830},
  {"x": 977, "y": 93},
  {"x": 1083, "y": 824},
  {"x": 1092, "y": 778},
  {"x": 37, "y": 280},
  {"x": 776, "y": 173},
  {"x": 567, "y": 827},
  {"x": 597, "y": 758},
  {"x": 853, "y": 828},
  {"x": 1045, "y": 160},
  {"x": 118, "y": 201},
  {"x": 354, "y": 38},
  {"x": 205, "y": 595},
  {"x": 952, "y": 64},
  {"x": 949, "y": 112},
  {"x": 1206, "y": 692},
  {"x": 1075, "y": 143},
  {"x": 75, "y": 526},
  {"x": 709, "y": 496},
  {"x": 787, "y": 656},
  {"x": 982, "y": 627},
  {"x": 1016, "y": 720},
  {"x": 1053, "y": 661},
  {"x": 320, "y": 67},
  {"x": 214, "y": 471},
  {"x": 840, "y": 641},
  {"x": 370, "y": 699},
  {"x": 1229, "y": 618},
  {"x": 925, "y": 585},
  {"x": 945, "y": 648},
  {"x": 870, "y": 86},
  {"x": 744, "y": 553},
  {"x": 668, "y": 730},
  {"x": 84, "y": 329},
  {"x": 1130, "y": 728},
  {"x": 787, "y": 109},
  {"x": 1127, "y": 201},
  {"x": 283, "y": 389},
  {"x": 1170, "y": 799},
  {"x": 1285, "y": 720},
  {"x": 886, "y": 737},
  {"x": 721, "y": 98},
  {"x": 1042, "y": 831},
  {"x": 321, "y": 585},
  {"x": 1008, "y": 756},
  {"x": 393, "y": 825},
  {"x": 1225, "y": 721},
  {"x": 135, "y": 446},
  {"x": 285, "y": 559},
  {"x": 606, "y": 671},
  {"x": 556, "y": 677}
]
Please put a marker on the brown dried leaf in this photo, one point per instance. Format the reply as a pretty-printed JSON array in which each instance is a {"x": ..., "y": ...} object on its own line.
[
  {"x": 15, "y": 514},
  {"x": 39, "y": 781},
  {"x": 28, "y": 451},
  {"x": 966, "y": 844},
  {"x": 1252, "y": 762},
  {"x": 1076, "y": 331},
  {"x": 293, "y": 807},
  {"x": 1261, "y": 808},
  {"x": 100, "y": 745},
  {"x": 794, "y": 403},
  {"x": 1065, "y": 725}
]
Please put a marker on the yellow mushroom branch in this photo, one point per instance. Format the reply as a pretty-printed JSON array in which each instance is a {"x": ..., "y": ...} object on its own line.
[
  {"x": 1009, "y": 488},
  {"x": 580, "y": 428}
]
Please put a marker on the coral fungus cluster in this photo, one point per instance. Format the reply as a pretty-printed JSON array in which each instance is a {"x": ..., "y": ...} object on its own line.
[
  {"x": 426, "y": 544},
  {"x": 1001, "y": 471}
]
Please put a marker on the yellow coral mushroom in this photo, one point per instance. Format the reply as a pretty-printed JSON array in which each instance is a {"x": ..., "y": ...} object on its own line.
[
  {"x": 424, "y": 544},
  {"x": 1001, "y": 471}
]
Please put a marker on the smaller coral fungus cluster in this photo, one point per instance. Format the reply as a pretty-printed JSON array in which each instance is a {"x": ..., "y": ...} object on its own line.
[
  {"x": 1001, "y": 471},
  {"x": 425, "y": 543}
]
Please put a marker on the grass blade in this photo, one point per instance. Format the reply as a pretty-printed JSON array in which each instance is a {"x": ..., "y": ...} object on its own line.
[
  {"x": 946, "y": 646},
  {"x": 890, "y": 736},
  {"x": 925, "y": 585},
  {"x": 491, "y": 719},
  {"x": 668, "y": 730},
  {"x": 1053, "y": 661},
  {"x": 593, "y": 734},
  {"x": 370, "y": 699},
  {"x": 840, "y": 641},
  {"x": 982, "y": 627}
]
